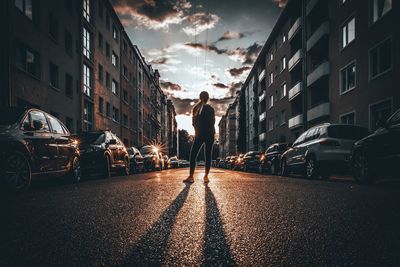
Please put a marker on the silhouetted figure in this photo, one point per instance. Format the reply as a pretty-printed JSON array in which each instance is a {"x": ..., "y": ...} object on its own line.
[{"x": 203, "y": 120}]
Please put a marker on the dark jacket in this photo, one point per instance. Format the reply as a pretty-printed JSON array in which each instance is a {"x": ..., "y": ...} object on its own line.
[{"x": 204, "y": 123}]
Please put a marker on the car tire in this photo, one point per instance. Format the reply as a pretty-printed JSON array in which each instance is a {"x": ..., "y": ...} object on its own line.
[
  {"x": 272, "y": 168},
  {"x": 107, "y": 167},
  {"x": 362, "y": 172},
  {"x": 75, "y": 174},
  {"x": 284, "y": 168},
  {"x": 125, "y": 170},
  {"x": 17, "y": 172}
]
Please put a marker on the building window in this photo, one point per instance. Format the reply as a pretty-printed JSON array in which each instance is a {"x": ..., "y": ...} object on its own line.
[
  {"x": 100, "y": 42},
  {"x": 125, "y": 96},
  {"x": 271, "y": 78},
  {"x": 69, "y": 123},
  {"x": 115, "y": 114},
  {"x": 380, "y": 58},
  {"x": 101, "y": 10},
  {"x": 101, "y": 105},
  {"x": 27, "y": 60},
  {"x": 100, "y": 73},
  {"x": 271, "y": 101},
  {"x": 108, "y": 80},
  {"x": 349, "y": 118},
  {"x": 86, "y": 10},
  {"x": 68, "y": 85},
  {"x": 115, "y": 33},
  {"x": 53, "y": 70},
  {"x": 87, "y": 116},
  {"x": 283, "y": 38},
  {"x": 125, "y": 46},
  {"x": 348, "y": 78},
  {"x": 107, "y": 49},
  {"x": 271, "y": 56},
  {"x": 125, "y": 71},
  {"x": 379, "y": 9},
  {"x": 108, "y": 109},
  {"x": 270, "y": 124},
  {"x": 108, "y": 21},
  {"x": 87, "y": 80},
  {"x": 125, "y": 121},
  {"x": 26, "y": 7},
  {"x": 115, "y": 87},
  {"x": 87, "y": 39},
  {"x": 53, "y": 27},
  {"x": 114, "y": 60},
  {"x": 348, "y": 32},
  {"x": 68, "y": 42},
  {"x": 283, "y": 90},
  {"x": 283, "y": 117},
  {"x": 283, "y": 63},
  {"x": 379, "y": 111}
]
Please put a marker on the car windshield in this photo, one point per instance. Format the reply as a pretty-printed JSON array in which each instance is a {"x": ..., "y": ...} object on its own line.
[
  {"x": 10, "y": 116},
  {"x": 282, "y": 147},
  {"x": 347, "y": 132},
  {"x": 147, "y": 150},
  {"x": 91, "y": 138},
  {"x": 130, "y": 151}
]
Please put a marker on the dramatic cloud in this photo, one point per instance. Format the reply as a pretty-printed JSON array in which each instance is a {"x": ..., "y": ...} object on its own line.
[
  {"x": 184, "y": 106},
  {"x": 200, "y": 22},
  {"x": 153, "y": 14},
  {"x": 281, "y": 3},
  {"x": 235, "y": 72},
  {"x": 212, "y": 48},
  {"x": 233, "y": 88},
  {"x": 220, "y": 85},
  {"x": 169, "y": 86},
  {"x": 159, "y": 61},
  {"x": 229, "y": 35}
]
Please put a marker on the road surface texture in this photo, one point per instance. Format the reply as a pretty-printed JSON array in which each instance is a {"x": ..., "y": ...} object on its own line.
[{"x": 238, "y": 219}]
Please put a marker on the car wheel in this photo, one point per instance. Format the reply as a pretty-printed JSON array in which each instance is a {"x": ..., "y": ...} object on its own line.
[
  {"x": 107, "y": 167},
  {"x": 311, "y": 168},
  {"x": 284, "y": 168},
  {"x": 361, "y": 170},
  {"x": 126, "y": 168},
  {"x": 17, "y": 172},
  {"x": 76, "y": 173},
  {"x": 272, "y": 168}
]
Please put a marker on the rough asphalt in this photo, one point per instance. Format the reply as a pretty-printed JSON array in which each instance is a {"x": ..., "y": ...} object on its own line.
[{"x": 238, "y": 219}]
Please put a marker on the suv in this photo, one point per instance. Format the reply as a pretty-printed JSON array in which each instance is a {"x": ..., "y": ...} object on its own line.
[
  {"x": 35, "y": 143},
  {"x": 270, "y": 161},
  {"x": 102, "y": 151},
  {"x": 135, "y": 160},
  {"x": 321, "y": 149},
  {"x": 151, "y": 158},
  {"x": 378, "y": 153},
  {"x": 173, "y": 163}
]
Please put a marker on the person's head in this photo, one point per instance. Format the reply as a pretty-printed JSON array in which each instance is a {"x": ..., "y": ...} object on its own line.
[{"x": 204, "y": 97}]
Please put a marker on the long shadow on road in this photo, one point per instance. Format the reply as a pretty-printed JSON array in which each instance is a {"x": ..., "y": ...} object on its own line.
[
  {"x": 216, "y": 249},
  {"x": 150, "y": 250}
]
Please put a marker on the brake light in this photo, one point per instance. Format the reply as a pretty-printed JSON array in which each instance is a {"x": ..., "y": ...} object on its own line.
[{"x": 328, "y": 142}]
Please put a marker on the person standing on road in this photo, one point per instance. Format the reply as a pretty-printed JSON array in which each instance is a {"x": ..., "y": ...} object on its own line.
[{"x": 203, "y": 120}]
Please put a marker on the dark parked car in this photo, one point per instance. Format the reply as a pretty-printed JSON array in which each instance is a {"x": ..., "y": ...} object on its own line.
[
  {"x": 238, "y": 162},
  {"x": 379, "y": 153},
  {"x": 164, "y": 161},
  {"x": 250, "y": 161},
  {"x": 173, "y": 162},
  {"x": 102, "y": 152},
  {"x": 135, "y": 160},
  {"x": 35, "y": 143},
  {"x": 151, "y": 158},
  {"x": 270, "y": 161},
  {"x": 322, "y": 150},
  {"x": 231, "y": 162}
]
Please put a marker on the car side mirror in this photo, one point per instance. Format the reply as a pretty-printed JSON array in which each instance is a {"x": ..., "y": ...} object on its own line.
[
  {"x": 112, "y": 142},
  {"x": 381, "y": 123},
  {"x": 37, "y": 125}
]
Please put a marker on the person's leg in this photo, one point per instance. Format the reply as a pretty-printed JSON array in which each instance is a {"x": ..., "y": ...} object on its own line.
[
  {"x": 197, "y": 143},
  {"x": 208, "y": 156}
]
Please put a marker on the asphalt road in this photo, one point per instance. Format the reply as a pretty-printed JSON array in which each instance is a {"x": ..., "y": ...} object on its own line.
[{"x": 239, "y": 219}]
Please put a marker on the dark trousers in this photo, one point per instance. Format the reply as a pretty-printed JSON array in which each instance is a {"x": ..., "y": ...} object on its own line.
[{"x": 197, "y": 144}]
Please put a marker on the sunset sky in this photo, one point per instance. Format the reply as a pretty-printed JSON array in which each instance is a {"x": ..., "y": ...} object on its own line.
[{"x": 199, "y": 45}]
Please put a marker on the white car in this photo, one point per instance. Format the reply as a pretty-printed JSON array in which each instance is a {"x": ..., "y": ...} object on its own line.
[{"x": 321, "y": 150}]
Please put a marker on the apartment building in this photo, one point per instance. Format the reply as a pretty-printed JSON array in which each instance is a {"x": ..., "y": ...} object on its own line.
[
  {"x": 324, "y": 61},
  {"x": 223, "y": 152}
]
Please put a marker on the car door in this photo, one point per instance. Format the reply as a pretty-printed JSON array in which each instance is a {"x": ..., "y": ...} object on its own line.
[
  {"x": 113, "y": 148},
  {"x": 295, "y": 153},
  {"x": 42, "y": 142}
]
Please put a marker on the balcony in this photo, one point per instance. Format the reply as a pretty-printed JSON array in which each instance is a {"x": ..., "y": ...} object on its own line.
[
  {"x": 261, "y": 137},
  {"x": 295, "y": 90},
  {"x": 322, "y": 30},
  {"x": 296, "y": 121},
  {"x": 310, "y": 6},
  {"x": 320, "y": 71},
  {"x": 261, "y": 76},
  {"x": 318, "y": 111},
  {"x": 294, "y": 29},
  {"x": 261, "y": 97},
  {"x": 263, "y": 116},
  {"x": 294, "y": 59}
]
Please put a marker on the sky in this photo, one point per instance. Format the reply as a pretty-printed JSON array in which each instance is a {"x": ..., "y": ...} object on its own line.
[{"x": 199, "y": 45}]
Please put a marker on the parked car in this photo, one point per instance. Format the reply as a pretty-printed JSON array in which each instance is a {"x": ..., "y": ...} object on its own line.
[
  {"x": 102, "y": 152},
  {"x": 183, "y": 163},
  {"x": 135, "y": 160},
  {"x": 164, "y": 162},
  {"x": 173, "y": 163},
  {"x": 151, "y": 158},
  {"x": 270, "y": 161},
  {"x": 378, "y": 154},
  {"x": 250, "y": 161},
  {"x": 34, "y": 143},
  {"x": 201, "y": 163},
  {"x": 322, "y": 150},
  {"x": 238, "y": 163},
  {"x": 226, "y": 162},
  {"x": 231, "y": 162}
]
